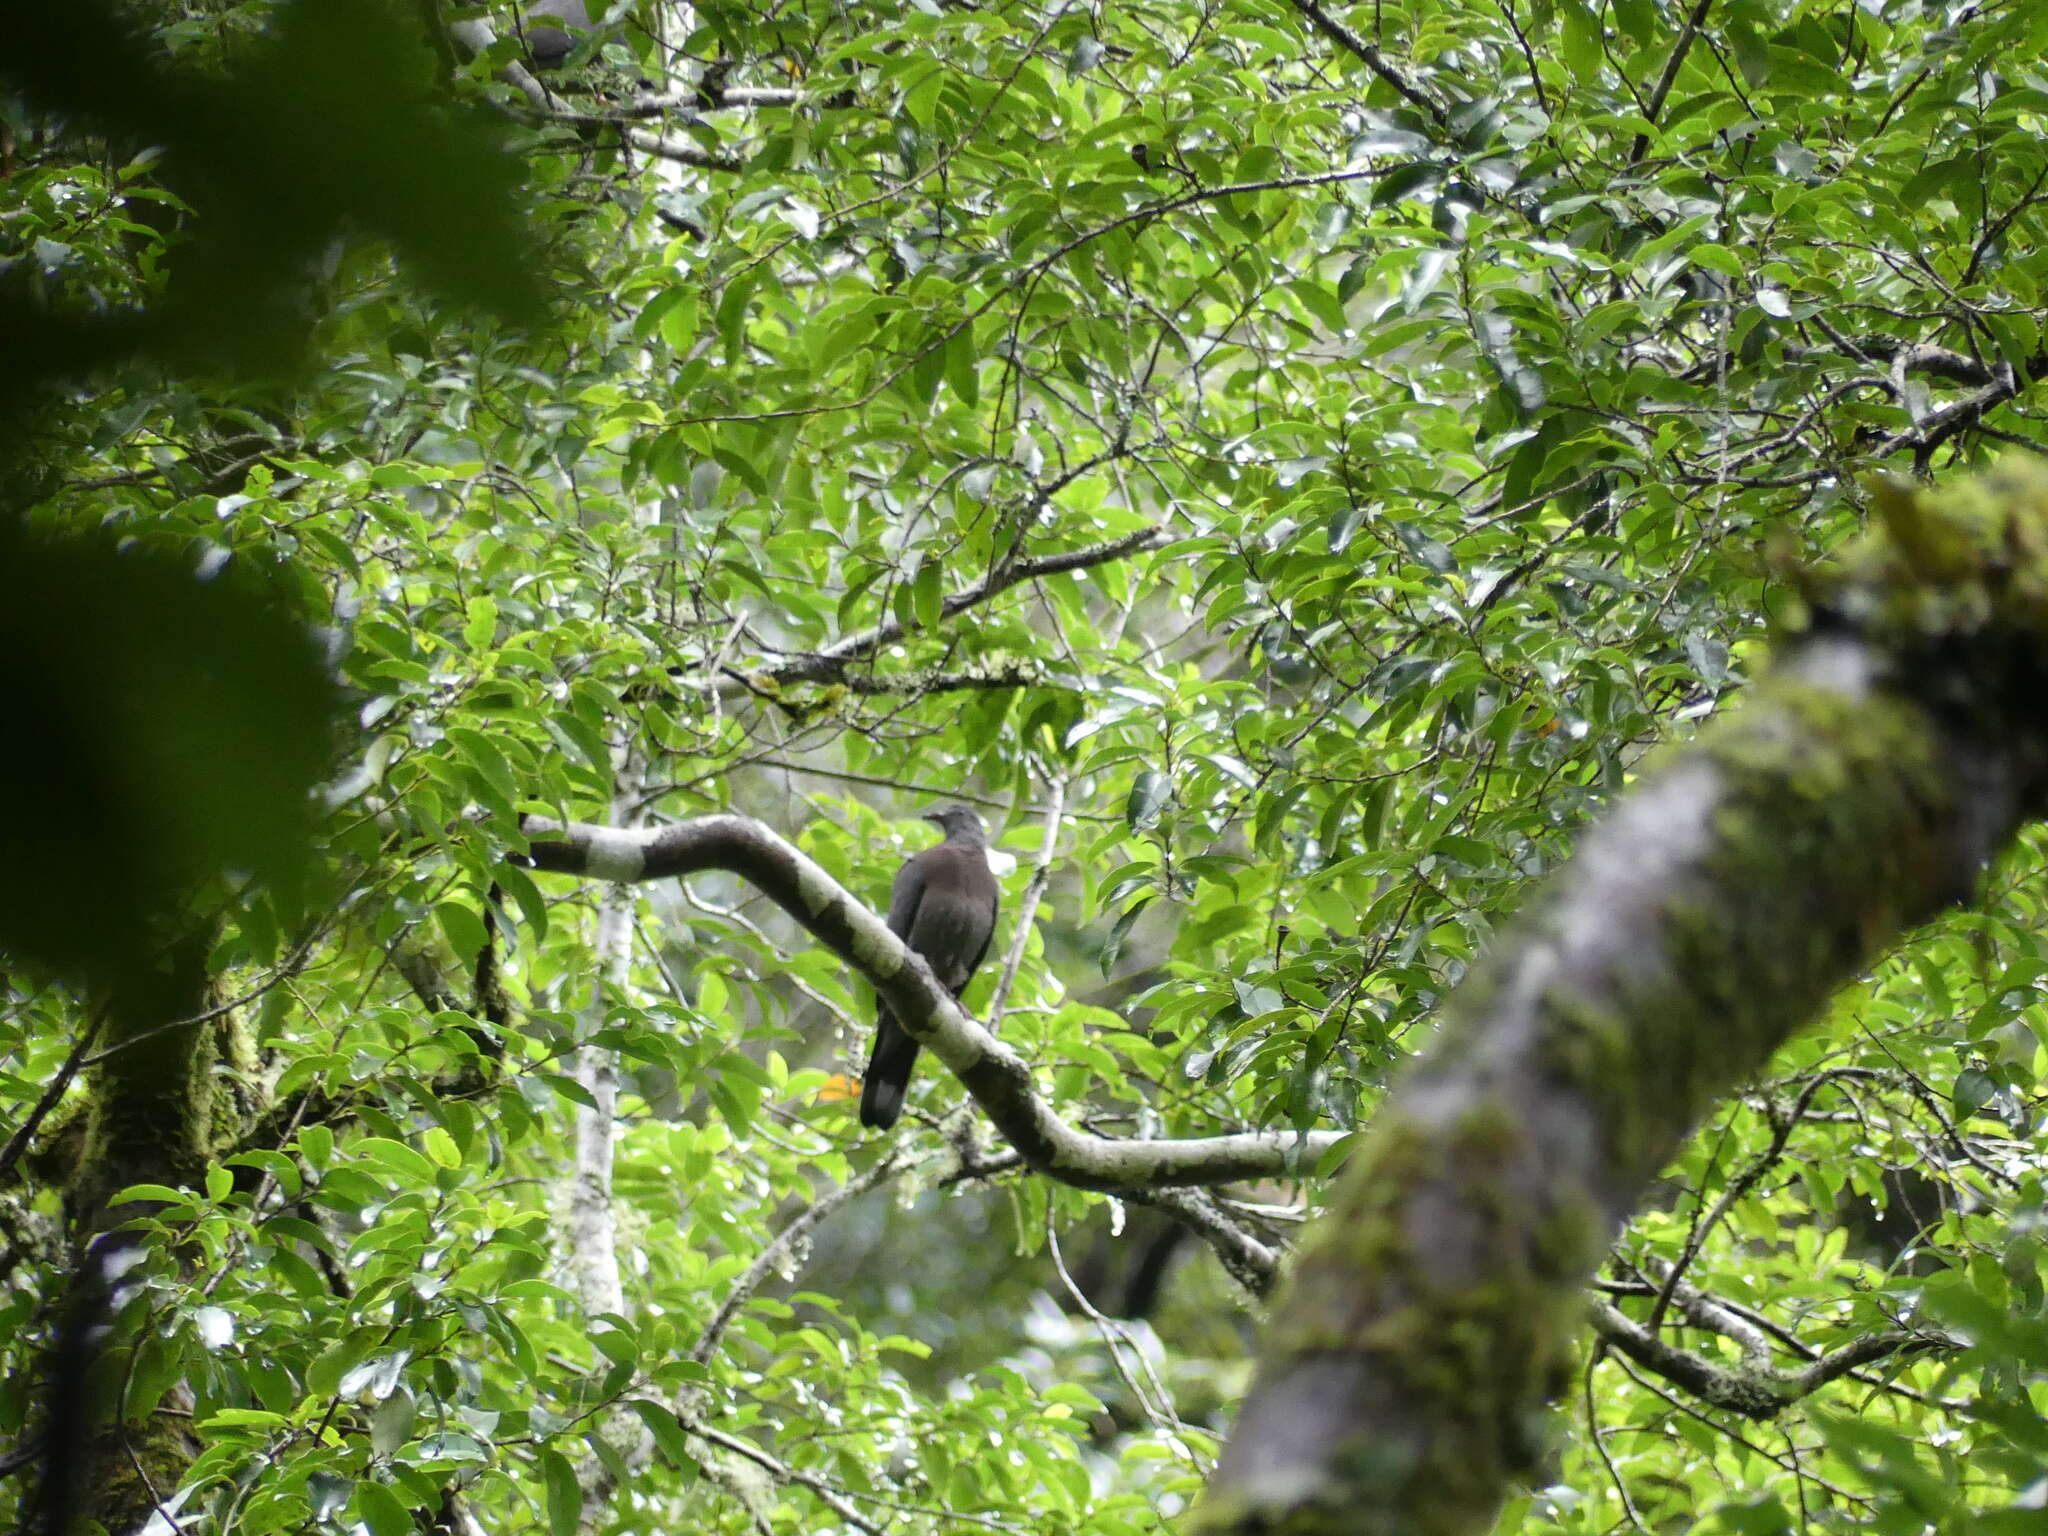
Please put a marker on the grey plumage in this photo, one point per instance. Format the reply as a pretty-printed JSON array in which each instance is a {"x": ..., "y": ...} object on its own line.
[
  {"x": 549, "y": 46},
  {"x": 943, "y": 905}
]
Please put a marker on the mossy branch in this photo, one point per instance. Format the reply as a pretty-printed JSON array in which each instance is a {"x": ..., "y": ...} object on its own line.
[
  {"x": 1899, "y": 742},
  {"x": 997, "y": 1077},
  {"x": 1753, "y": 1391}
]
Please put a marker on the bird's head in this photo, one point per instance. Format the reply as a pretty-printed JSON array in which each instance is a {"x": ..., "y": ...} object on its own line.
[{"x": 961, "y": 821}]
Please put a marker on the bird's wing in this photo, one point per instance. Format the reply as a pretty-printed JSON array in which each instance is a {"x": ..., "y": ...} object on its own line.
[
  {"x": 904, "y": 896},
  {"x": 994, "y": 892}
]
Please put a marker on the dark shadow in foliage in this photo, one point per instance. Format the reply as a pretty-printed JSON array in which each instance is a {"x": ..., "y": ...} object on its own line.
[
  {"x": 166, "y": 732},
  {"x": 330, "y": 124},
  {"x": 166, "y": 728},
  {"x": 163, "y": 729}
]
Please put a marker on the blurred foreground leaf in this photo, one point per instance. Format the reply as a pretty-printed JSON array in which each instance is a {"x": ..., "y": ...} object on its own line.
[
  {"x": 328, "y": 125},
  {"x": 162, "y": 729}
]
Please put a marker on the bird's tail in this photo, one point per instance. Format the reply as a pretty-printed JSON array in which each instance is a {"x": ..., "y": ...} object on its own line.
[{"x": 888, "y": 1075}]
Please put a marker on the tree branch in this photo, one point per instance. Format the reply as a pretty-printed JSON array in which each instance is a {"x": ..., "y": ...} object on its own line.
[
  {"x": 831, "y": 662},
  {"x": 476, "y": 36},
  {"x": 667, "y": 146},
  {"x": 995, "y": 674},
  {"x": 1738, "y": 1188},
  {"x": 698, "y": 99},
  {"x": 1897, "y": 745},
  {"x": 1708, "y": 1312},
  {"x": 1250, "y": 1262},
  {"x": 1754, "y": 1391},
  {"x": 1662, "y": 89},
  {"x": 997, "y": 1077},
  {"x": 1371, "y": 56},
  {"x": 59, "y": 1083},
  {"x": 770, "y": 1256},
  {"x": 1915, "y": 357},
  {"x": 1027, "y": 909},
  {"x": 834, "y": 1499},
  {"x": 587, "y": 1192}
]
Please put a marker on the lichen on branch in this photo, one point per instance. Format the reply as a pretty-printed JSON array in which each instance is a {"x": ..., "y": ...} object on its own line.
[{"x": 1899, "y": 741}]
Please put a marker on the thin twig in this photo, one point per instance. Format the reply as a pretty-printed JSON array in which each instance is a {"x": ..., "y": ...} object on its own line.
[
  {"x": 765, "y": 1261},
  {"x": 1034, "y": 892},
  {"x": 1150, "y": 1394},
  {"x": 74, "y": 1059},
  {"x": 1372, "y": 58},
  {"x": 1665, "y": 81},
  {"x": 1628, "y": 1505}
]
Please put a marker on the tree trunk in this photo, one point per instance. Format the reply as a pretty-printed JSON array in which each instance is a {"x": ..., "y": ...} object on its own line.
[{"x": 158, "y": 1101}]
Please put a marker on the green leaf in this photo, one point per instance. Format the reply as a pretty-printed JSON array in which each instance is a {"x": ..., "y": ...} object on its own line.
[
  {"x": 1119, "y": 932},
  {"x": 1149, "y": 793},
  {"x": 255, "y": 1418},
  {"x": 668, "y": 1434},
  {"x": 328, "y": 1493},
  {"x": 564, "y": 1494},
  {"x": 391, "y": 1422},
  {"x": 481, "y": 627},
  {"x": 1974, "y": 1088},
  {"x": 927, "y": 594},
  {"x": 463, "y": 928},
  {"x": 1580, "y": 40},
  {"x": 396, "y": 1157},
  {"x": 382, "y": 1511}
]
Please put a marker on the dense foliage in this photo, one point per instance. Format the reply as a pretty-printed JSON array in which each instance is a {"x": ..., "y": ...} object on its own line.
[{"x": 1287, "y": 463}]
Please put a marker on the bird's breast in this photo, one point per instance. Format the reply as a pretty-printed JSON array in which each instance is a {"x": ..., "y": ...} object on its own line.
[{"x": 950, "y": 936}]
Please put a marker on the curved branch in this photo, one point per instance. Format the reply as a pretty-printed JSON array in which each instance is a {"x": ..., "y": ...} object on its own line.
[
  {"x": 698, "y": 99},
  {"x": 60, "y": 1083},
  {"x": 476, "y": 36},
  {"x": 997, "y": 1077},
  {"x": 1251, "y": 1263},
  {"x": 1027, "y": 910},
  {"x": 1921, "y": 357},
  {"x": 1755, "y": 1392},
  {"x": 832, "y": 1497},
  {"x": 666, "y": 145},
  {"x": 1738, "y": 1188}
]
